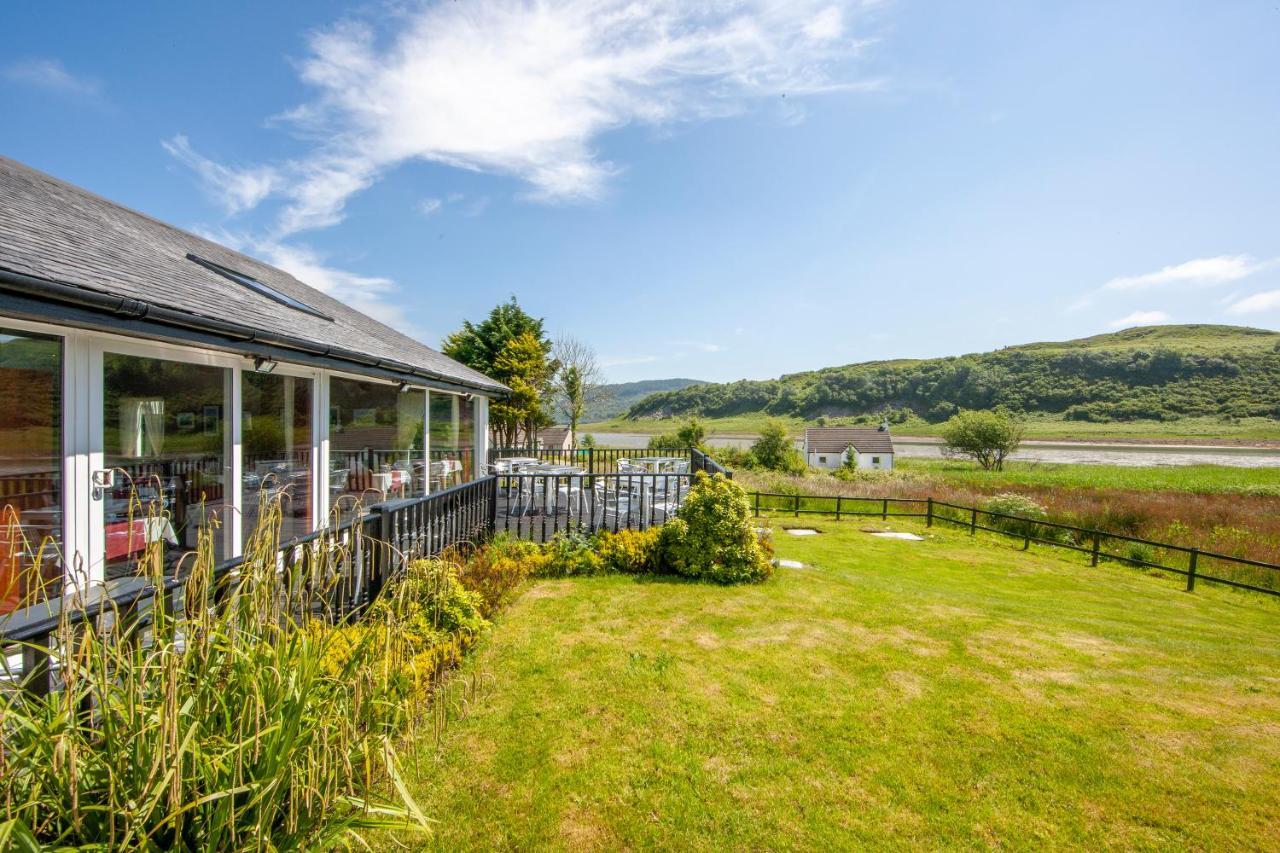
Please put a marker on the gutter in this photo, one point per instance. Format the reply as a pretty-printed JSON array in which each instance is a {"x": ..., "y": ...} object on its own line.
[{"x": 136, "y": 309}]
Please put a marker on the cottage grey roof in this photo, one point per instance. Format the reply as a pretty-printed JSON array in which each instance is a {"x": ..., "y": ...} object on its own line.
[
  {"x": 837, "y": 439},
  {"x": 58, "y": 232}
]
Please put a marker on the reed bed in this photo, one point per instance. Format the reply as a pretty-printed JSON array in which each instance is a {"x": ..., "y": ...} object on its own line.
[{"x": 234, "y": 717}]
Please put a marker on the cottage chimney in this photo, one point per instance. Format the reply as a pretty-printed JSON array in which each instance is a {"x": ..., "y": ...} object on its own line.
[{"x": 884, "y": 425}]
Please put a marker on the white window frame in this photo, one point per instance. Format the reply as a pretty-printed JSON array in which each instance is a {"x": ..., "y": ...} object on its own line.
[{"x": 83, "y": 452}]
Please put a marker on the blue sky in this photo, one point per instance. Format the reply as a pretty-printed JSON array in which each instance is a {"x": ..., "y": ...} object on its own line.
[{"x": 744, "y": 192}]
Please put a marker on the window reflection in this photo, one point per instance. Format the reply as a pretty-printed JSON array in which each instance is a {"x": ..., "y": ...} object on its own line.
[
  {"x": 375, "y": 442},
  {"x": 452, "y": 440},
  {"x": 276, "y": 452},
  {"x": 30, "y": 465},
  {"x": 164, "y": 430}
]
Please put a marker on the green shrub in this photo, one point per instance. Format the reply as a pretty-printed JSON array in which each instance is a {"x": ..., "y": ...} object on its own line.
[
  {"x": 633, "y": 552},
  {"x": 775, "y": 451},
  {"x": 568, "y": 554},
  {"x": 497, "y": 570},
  {"x": 713, "y": 537},
  {"x": 1028, "y": 513}
]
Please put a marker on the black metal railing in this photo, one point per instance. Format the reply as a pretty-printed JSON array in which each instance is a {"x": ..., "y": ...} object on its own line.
[
  {"x": 363, "y": 551},
  {"x": 538, "y": 506},
  {"x": 592, "y": 460},
  {"x": 704, "y": 462},
  {"x": 1195, "y": 564}
]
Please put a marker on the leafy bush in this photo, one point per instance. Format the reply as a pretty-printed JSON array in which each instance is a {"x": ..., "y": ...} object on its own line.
[
  {"x": 1028, "y": 513},
  {"x": 985, "y": 437},
  {"x": 713, "y": 537},
  {"x": 496, "y": 570},
  {"x": 633, "y": 552},
  {"x": 775, "y": 451},
  {"x": 570, "y": 553},
  {"x": 690, "y": 434}
]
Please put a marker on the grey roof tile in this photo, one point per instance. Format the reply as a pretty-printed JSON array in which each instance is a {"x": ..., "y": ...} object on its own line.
[{"x": 53, "y": 230}]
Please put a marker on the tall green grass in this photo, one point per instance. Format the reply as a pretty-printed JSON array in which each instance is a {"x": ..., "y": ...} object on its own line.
[{"x": 211, "y": 728}]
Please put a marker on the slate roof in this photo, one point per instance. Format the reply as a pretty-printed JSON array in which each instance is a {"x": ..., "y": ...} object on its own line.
[
  {"x": 836, "y": 439},
  {"x": 554, "y": 437},
  {"x": 52, "y": 230}
]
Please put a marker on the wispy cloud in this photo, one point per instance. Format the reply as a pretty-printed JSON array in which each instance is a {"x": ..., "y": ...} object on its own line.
[
  {"x": 235, "y": 190},
  {"x": 430, "y": 206},
  {"x": 1201, "y": 271},
  {"x": 372, "y": 295},
  {"x": 50, "y": 74},
  {"x": 700, "y": 346},
  {"x": 1257, "y": 303},
  {"x": 527, "y": 89},
  {"x": 1140, "y": 318},
  {"x": 622, "y": 361}
]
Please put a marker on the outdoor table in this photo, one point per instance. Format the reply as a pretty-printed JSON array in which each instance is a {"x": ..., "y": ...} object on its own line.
[{"x": 654, "y": 463}]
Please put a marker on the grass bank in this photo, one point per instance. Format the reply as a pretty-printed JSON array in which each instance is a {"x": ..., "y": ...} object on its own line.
[
  {"x": 1202, "y": 430},
  {"x": 1191, "y": 479},
  {"x": 949, "y": 692}
]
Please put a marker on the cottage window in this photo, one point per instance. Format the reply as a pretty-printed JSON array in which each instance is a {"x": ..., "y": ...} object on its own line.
[{"x": 822, "y": 459}]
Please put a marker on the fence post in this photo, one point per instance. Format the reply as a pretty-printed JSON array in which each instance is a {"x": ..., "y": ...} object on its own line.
[
  {"x": 797, "y": 497},
  {"x": 492, "y": 521},
  {"x": 884, "y": 510},
  {"x": 973, "y": 522},
  {"x": 1097, "y": 544},
  {"x": 1191, "y": 569},
  {"x": 757, "y": 504},
  {"x": 928, "y": 516},
  {"x": 839, "y": 500}
]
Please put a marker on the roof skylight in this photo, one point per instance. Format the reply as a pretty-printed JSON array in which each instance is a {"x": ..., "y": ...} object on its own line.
[{"x": 257, "y": 287}]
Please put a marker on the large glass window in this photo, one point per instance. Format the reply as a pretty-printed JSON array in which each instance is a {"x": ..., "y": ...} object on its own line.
[
  {"x": 375, "y": 442},
  {"x": 452, "y": 440},
  {"x": 30, "y": 465},
  {"x": 165, "y": 434},
  {"x": 276, "y": 451}
]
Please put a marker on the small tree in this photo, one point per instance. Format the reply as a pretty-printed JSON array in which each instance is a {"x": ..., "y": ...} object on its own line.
[
  {"x": 775, "y": 451},
  {"x": 987, "y": 438},
  {"x": 691, "y": 434},
  {"x": 579, "y": 382}
]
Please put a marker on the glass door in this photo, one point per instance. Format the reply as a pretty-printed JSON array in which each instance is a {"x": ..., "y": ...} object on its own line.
[{"x": 166, "y": 441}]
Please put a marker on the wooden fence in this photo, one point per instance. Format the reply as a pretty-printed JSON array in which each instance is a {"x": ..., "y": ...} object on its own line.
[{"x": 1193, "y": 564}]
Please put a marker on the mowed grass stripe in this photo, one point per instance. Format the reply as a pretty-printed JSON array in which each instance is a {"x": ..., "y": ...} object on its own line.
[{"x": 946, "y": 692}]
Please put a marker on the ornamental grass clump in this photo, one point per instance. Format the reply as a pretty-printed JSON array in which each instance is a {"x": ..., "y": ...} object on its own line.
[{"x": 225, "y": 727}]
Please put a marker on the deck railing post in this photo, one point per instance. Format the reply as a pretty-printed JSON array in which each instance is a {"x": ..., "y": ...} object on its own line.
[
  {"x": 928, "y": 513},
  {"x": 1191, "y": 569}
]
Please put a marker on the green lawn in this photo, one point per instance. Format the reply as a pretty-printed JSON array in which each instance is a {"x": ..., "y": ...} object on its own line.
[
  {"x": 1188, "y": 430},
  {"x": 1201, "y": 479},
  {"x": 951, "y": 692}
]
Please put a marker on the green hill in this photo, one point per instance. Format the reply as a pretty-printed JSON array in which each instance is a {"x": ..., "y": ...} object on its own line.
[
  {"x": 1153, "y": 373},
  {"x": 619, "y": 398}
]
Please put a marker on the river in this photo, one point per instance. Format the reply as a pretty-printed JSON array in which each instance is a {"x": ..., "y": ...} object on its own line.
[{"x": 1074, "y": 452}]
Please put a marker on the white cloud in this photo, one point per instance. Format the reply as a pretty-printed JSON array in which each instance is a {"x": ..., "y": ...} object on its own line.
[
  {"x": 1266, "y": 301},
  {"x": 429, "y": 206},
  {"x": 1201, "y": 271},
  {"x": 527, "y": 90},
  {"x": 236, "y": 190},
  {"x": 368, "y": 294},
  {"x": 50, "y": 74},
  {"x": 1140, "y": 318},
  {"x": 622, "y": 361}
]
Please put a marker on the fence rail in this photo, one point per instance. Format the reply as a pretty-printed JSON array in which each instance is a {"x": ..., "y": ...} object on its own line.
[
  {"x": 1100, "y": 545},
  {"x": 364, "y": 551}
]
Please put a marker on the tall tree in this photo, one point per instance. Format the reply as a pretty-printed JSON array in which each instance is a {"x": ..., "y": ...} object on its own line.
[
  {"x": 523, "y": 366},
  {"x": 510, "y": 346},
  {"x": 579, "y": 381}
]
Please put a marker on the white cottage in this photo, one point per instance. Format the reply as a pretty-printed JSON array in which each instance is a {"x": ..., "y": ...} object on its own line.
[{"x": 829, "y": 447}]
